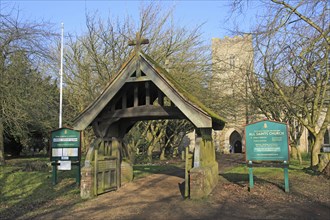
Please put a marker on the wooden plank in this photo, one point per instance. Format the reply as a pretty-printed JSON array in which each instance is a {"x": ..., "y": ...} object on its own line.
[{"x": 104, "y": 165}]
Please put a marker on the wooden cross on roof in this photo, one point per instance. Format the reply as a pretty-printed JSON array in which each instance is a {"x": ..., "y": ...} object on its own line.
[{"x": 138, "y": 42}]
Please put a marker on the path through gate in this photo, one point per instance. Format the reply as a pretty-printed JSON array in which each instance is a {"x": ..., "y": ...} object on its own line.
[{"x": 143, "y": 90}]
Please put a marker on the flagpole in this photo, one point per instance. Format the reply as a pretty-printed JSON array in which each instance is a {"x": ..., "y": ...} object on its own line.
[{"x": 61, "y": 78}]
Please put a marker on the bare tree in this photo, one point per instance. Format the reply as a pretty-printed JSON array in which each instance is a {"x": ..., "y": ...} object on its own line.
[
  {"x": 93, "y": 58},
  {"x": 292, "y": 65}
]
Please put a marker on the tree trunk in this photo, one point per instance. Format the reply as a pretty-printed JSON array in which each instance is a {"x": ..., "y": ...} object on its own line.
[
  {"x": 149, "y": 152},
  {"x": 132, "y": 151},
  {"x": 299, "y": 156},
  {"x": 2, "y": 147},
  {"x": 162, "y": 154},
  {"x": 295, "y": 153},
  {"x": 316, "y": 148},
  {"x": 161, "y": 128}
]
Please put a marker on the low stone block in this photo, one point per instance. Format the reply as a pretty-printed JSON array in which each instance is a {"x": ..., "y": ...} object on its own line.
[
  {"x": 87, "y": 183},
  {"x": 203, "y": 180},
  {"x": 126, "y": 172}
]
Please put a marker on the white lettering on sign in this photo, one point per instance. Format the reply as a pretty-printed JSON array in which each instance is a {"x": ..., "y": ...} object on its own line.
[
  {"x": 65, "y": 139},
  {"x": 266, "y": 133}
]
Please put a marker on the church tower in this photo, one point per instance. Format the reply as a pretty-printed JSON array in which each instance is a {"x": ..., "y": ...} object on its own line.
[{"x": 232, "y": 60}]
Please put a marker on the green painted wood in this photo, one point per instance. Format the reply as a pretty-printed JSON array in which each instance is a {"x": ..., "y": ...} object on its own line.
[
  {"x": 54, "y": 176},
  {"x": 286, "y": 176},
  {"x": 267, "y": 140},
  {"x": 65, "y": 144},
  {"x": 251, "y": 183}
]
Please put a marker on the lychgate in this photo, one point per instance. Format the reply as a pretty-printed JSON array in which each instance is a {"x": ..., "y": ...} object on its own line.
[{"x": 137, "y": 93}]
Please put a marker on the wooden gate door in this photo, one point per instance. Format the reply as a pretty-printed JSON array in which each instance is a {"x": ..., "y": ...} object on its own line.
[{"x": 106, "y": 174}]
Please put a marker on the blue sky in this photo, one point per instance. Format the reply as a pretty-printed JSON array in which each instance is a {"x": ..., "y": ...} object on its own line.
[{"x": 72, "y": 13}]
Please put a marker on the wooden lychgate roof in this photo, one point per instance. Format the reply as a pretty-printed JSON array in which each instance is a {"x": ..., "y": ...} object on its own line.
[{"x": 143, "y": 90}]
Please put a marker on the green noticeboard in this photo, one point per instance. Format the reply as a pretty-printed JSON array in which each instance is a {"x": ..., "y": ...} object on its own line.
[
  {"x": 65, "y": 144},
  {"x": 267, "y": 140}
]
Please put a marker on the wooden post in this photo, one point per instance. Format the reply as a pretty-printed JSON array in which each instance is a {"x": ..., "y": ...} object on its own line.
[
  {"x": 124, "y": 101},
  {"x": 95, "y": 171},
  {"x": 147, "y": 86},
  {"x": 286, "y": 176},
  {"x": 116, "y": 145},
  {"x": 137, "y": 43},
  {"x": 78, "y": 174},
  {"x": 54, "y": 173},
  {"x": 186, "y": 186},
  {"x": 250, "y": 175},
  {"x": 197, "y": 151},
  {"x": 136, "y": 97},
  {"x": 160, "y": 98}
]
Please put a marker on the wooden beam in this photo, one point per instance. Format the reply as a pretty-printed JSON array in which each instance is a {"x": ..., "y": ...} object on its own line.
[
  {"x": 145, "y": 112},
  {"x": 147, "y": 86},
  {"x": 102, "y": 126},
  {"x": 140, "y": 79}
]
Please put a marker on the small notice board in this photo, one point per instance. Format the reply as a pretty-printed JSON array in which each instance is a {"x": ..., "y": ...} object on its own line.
[
  {"x": 65, "y": 151},
  {"x": 65, "y": 144},
  {"x": 267, "y": 141}
]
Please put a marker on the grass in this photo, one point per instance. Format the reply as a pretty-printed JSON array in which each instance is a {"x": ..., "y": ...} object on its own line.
[
  {"x": 26, "y": 189},
  {"x": 268, "y": 174}
]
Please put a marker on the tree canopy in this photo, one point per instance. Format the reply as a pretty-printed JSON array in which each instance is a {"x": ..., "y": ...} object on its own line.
[
  {"x": 93, "y": 59},
  {"x": 28, "y": 96},
  {"x": 291, "y": 77}
]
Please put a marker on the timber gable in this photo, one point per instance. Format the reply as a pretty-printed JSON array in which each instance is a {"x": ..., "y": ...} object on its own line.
[{"x": 142, "y": 90}]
